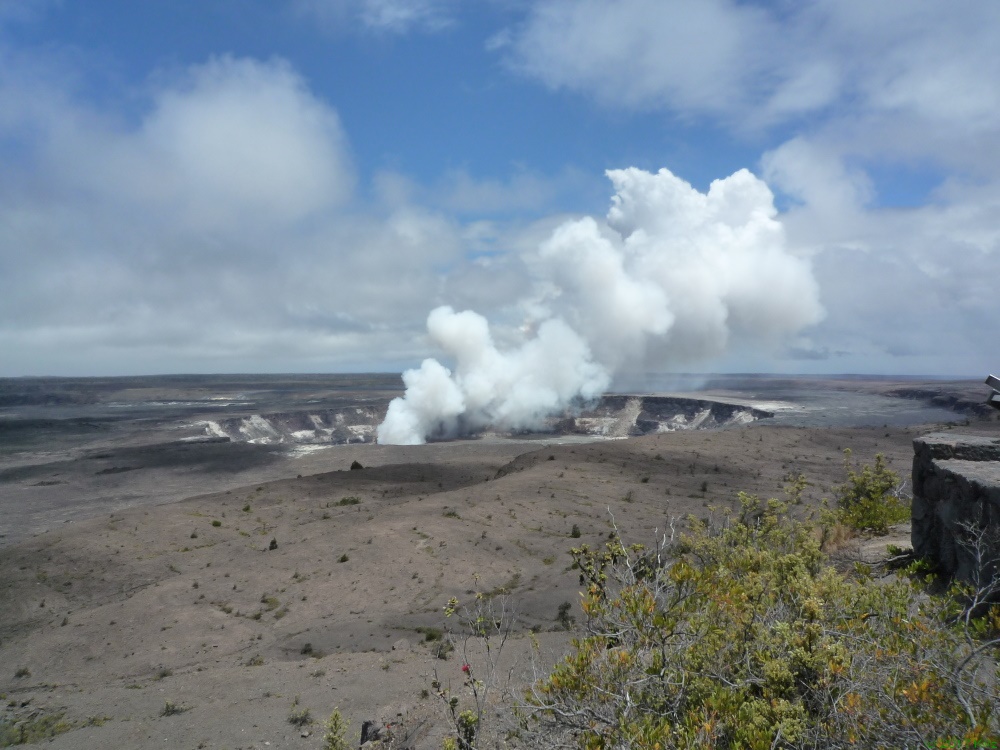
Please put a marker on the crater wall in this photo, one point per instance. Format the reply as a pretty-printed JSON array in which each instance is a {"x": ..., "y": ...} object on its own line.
[{"x": 612, "y": 416}]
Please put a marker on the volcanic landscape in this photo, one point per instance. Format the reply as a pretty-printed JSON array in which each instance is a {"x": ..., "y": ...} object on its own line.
[{"x": 204, "y": 542}]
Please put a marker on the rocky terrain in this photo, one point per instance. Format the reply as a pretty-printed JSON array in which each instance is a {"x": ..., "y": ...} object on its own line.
[{"x": 231, "y": 594}]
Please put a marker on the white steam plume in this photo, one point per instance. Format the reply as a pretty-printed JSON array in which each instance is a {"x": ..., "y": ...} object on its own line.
[
  {"x": 670, "y": 276},
  {"x": 516, "y": 389}
]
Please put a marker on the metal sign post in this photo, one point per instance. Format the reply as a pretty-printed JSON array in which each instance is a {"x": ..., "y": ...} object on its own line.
[{"x": 994, "y": 399}]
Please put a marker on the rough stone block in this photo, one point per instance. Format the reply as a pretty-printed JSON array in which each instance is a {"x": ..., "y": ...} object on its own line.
[{"x": 956, "y": 481}]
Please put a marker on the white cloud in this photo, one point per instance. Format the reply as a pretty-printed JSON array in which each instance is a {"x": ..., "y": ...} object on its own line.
[
  {"x": 383, "y": 16},
  {"x": 234, "y": 142},
  {"x": 219, "y": 231},
  {"x": 642, "y": 53},
  {"x": 907, "y": 290},
  {"x": 863, "y": 89},
  {"x": 758, "y": 64}
]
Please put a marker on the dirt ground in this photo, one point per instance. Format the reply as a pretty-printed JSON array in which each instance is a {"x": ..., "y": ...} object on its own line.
[{"x": 106, "y": 621}]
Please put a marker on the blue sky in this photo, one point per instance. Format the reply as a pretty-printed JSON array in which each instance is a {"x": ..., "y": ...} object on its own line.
[{"x": 294, "y": 185}]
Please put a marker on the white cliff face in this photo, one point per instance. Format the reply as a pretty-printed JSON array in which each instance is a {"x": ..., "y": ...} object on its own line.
[{"x": 610, "y": 416}]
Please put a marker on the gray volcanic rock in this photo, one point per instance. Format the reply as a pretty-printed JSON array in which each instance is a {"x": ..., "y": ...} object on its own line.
[{"x": 956, "y": 482}]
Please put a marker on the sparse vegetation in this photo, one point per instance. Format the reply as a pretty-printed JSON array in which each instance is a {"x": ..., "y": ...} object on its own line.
[
  {"x": 349, "y": 501},
  {"x": 217, "y": 523},
  {"x": 505, "y": 588},
  {"x": 575, "y": 532}
]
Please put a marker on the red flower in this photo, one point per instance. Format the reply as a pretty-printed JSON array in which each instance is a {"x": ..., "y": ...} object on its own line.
[{"x": 465, "y": 668}]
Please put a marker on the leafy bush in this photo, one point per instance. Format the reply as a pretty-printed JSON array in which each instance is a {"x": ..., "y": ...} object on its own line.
[
  {"x": 870, "y": 499},
  {"x": 740, "y": 634}
]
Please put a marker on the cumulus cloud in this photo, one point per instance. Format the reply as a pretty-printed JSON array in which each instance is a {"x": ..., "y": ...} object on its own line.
[
  {"x": 670, "y": 276},
  {"x": 216, "y": 230},
  {"x": 910, "y": 290},
  {"x": 232, "y": 142}
]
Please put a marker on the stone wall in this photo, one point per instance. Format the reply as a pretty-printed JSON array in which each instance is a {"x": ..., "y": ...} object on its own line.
[{"x": 956, "y": 480}]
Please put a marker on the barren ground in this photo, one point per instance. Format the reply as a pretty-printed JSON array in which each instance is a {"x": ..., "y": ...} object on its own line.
[{"x": 106, "y": 620}]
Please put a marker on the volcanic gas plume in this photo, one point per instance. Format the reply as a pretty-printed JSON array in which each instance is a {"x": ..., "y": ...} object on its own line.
[{"x": 671, "y": 275}]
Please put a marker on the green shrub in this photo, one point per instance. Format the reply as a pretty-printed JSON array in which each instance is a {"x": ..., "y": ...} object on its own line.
[
  {"x": 575, "y": 532},
  {"x": 741, "y": 634},
  {"x": 564, "y": 618},
  {"x": 429, "y": 633},
  {"x": 172, "y": 709},
  {"x": 349, "y": 501},
  {"x": 34, "y": 729},
  {"x": 335, "y": 731},
  {"x": 869, "y": 500}
]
